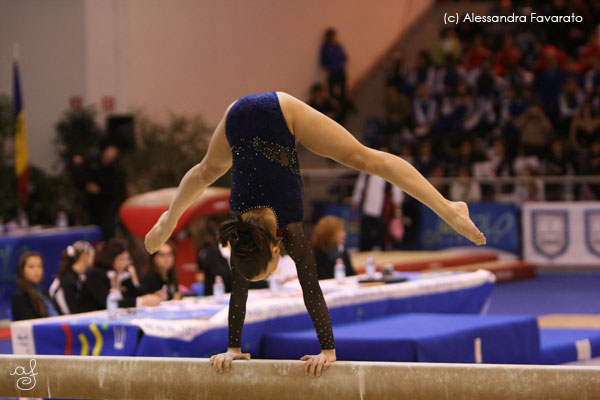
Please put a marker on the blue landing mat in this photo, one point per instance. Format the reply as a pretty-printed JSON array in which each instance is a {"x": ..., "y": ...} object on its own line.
[
  {"x": 560, "y": 346},
  {"x": 421, "y": 337}
]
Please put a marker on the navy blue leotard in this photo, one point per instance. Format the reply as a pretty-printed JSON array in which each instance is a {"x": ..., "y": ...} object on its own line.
[{"x": 266, "y": 174}]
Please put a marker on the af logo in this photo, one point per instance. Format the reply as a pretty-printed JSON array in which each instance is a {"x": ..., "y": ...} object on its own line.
[{"x": 550, "y": 232}]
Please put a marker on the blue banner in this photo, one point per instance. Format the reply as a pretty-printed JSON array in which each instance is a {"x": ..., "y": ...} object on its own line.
[{"x": 499, "y": 222}]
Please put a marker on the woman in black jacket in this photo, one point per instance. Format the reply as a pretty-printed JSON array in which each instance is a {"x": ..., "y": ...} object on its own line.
[
  {"x": 31, "y": 300},
  {"x": 328, "y": 245},
  {"x": 113, "y": 260},
  {"x": 67, "y": 288},
  {"x": 162, "y": 272}
]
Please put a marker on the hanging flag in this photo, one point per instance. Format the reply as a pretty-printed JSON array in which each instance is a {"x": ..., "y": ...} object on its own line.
[{"x": 20, "y": 137}]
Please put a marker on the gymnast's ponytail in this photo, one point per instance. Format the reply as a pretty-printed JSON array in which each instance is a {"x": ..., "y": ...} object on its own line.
[{"x": 250, "y": 245}]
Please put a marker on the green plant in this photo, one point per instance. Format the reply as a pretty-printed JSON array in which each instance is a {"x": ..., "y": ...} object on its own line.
[
  {"x": 77, "y": 133},
  {"x": 166, "y": 151}
]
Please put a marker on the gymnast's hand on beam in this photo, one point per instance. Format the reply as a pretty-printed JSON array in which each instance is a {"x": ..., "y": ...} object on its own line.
[
  {"x": 315, "y": 365},
  {"x": 222, "y": 361},
  {"x": 159, "y": 233}
]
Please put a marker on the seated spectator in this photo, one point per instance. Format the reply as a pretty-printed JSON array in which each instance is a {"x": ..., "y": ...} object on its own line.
[
  {"x": 469, "y": 192},
  {"x": 397, "y": 72},
  {"x": 509, "y": 56},
  {"x": 557, "y": 163},
  {"x": 523, "y": 161},
  {"x": 423, "y": 73},
  {"x": 584, "y": 129},
  {"x": 592, "y": 76},
  {"x": 67, "y": 288},
  {"x": 570, "y": 102},
  {"x": 447, "y": 46},
  {"x": 447, "y": 77},
  {"x": 502, "y": 165},
  {"x": 398, "y": 111},
  {"x": 424, "y": 110},
  {"x": 31, "y": 300},
  {"x": 594, "y": 166},
  {"x": 162, "y": 273},
  {"x": 328, "y": 241},
  {"x": 286, "y": 268},
  {"x": 454, "y": 109},
  {"x": 476, "y": 54},
  {"x": 528, "y": 191},
  {"x": 113, "y": 269},
  {"x": 320, "y": 101},
  {"x": 535, "y": 128},
  {"x": 215, "y": 262}
]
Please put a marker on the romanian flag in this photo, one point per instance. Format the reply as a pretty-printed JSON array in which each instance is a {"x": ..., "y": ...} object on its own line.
[{"x": 20, "y": 140}]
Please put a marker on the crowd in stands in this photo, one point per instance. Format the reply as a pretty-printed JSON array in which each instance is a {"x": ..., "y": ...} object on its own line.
[
  {"x": 497, "y": 99},
  {"x": 507, "y": 99}
]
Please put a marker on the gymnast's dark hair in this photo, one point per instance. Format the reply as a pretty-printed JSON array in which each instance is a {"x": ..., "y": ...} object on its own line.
[{"x": 250, "y": 250}]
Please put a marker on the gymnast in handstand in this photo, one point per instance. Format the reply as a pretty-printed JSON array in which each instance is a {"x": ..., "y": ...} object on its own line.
[{"x": 256, "y": 138}]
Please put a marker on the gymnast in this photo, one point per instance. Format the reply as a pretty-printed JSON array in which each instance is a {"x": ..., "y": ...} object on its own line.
[{"x": 256, "y": 138}]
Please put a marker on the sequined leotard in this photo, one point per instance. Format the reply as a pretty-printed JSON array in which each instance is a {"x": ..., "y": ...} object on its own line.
[{"x": 266, "y": 174}]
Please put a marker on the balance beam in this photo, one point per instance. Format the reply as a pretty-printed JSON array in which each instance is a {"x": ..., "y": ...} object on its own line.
[{"x": 104, "y": 377}]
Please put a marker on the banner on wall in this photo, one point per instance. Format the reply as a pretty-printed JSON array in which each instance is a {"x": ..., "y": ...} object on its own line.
[
  {"x": 565, "y": 233},
  {"x": 498, "y": 221}
]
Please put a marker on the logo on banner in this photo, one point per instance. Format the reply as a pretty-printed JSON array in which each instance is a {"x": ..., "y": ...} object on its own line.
[
  {"x": 550, "y": 231},
  {"x": 592, "y": 231}
]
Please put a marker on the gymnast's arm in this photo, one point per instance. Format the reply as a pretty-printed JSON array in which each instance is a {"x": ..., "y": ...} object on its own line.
[{"x": 216, "y": 162}]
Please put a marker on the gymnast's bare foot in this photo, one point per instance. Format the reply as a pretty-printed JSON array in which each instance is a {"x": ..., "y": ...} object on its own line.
[{"x": 463, "y": 224}]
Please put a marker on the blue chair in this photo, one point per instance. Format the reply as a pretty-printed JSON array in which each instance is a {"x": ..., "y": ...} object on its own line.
[{"x": 198, "y": 288}]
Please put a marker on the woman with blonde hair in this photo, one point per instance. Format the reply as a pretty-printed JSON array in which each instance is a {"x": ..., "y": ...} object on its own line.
[{"x": 328, "y": 241}]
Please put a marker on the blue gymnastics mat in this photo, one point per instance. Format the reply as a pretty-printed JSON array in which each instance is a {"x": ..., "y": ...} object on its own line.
[
  {"x": 560, "y": 346},
  {"x": 454, "y": 338}
]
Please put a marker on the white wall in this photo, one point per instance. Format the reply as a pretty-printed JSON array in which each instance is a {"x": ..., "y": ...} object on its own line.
[
  {"x": 184, "y": 56},
  {"x": 199, "y": 56},
  {"x": 51, "y": 40}
]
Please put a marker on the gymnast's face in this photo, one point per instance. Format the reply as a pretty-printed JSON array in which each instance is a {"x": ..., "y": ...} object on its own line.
[{"x": 271, "y": 266}]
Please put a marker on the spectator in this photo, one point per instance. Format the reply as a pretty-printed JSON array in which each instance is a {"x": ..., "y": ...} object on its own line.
[
  {"x": 449, "y": 76},
  {"x": 528, "y": 191},
  {"x": 425, "y": 162},
  {"x": 448, "y": 45},
  {"x": 105, "y": 188},
  {"x": 397, "y": 72},
  {"x": 476, "y": 54},
  {"x": 113, "y": 269},
  {"x": 454, "y": 109},
  {"x": 162, "y": 273},
  {"x": 333, "y": 59},
  {"x": 594, "y": 166},
  {"x": 535, "y": 129},
  {"x": 31, "y": 300},
  {"x": 425, "y": 111},
  {"x": 398, "y": 111},
  {"x": 67, "y": 288},
  {"x": 571, "y": 100},
  {"x": 592, "y": 76},
  {"x": 371, "y": 191},
  {"x": 557, "y": 163},
  {"x": 328, "y": 241},
  {"x": 468, "y": 191},
  {"x": 509, "y": 57},
  {"x": 320, "y": 101},
  {"x": 215, "y": 262},
  {"x": 423, "y": 73}
]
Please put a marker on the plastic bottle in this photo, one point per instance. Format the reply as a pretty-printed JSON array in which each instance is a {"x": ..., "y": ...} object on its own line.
[
  {"x": 273, "y": 285},
  {"x": 218, "y": 288},
  {"x": 61, "y": 220},
  {"x": 112, "y": 303},
  {"x": 340, "y": 270},
  {"x": 371, "y": 268}
]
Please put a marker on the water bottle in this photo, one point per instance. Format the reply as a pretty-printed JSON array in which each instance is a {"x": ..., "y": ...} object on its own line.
[
  {"x": 340, "y": 270},
  {"x": 61, "y": 220},
  {"x": 273, "y": 285},
  {"x": 218, "y": 288},
  {"x": 371, "y": 269},
  {"x": 112, "y": 303}
]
